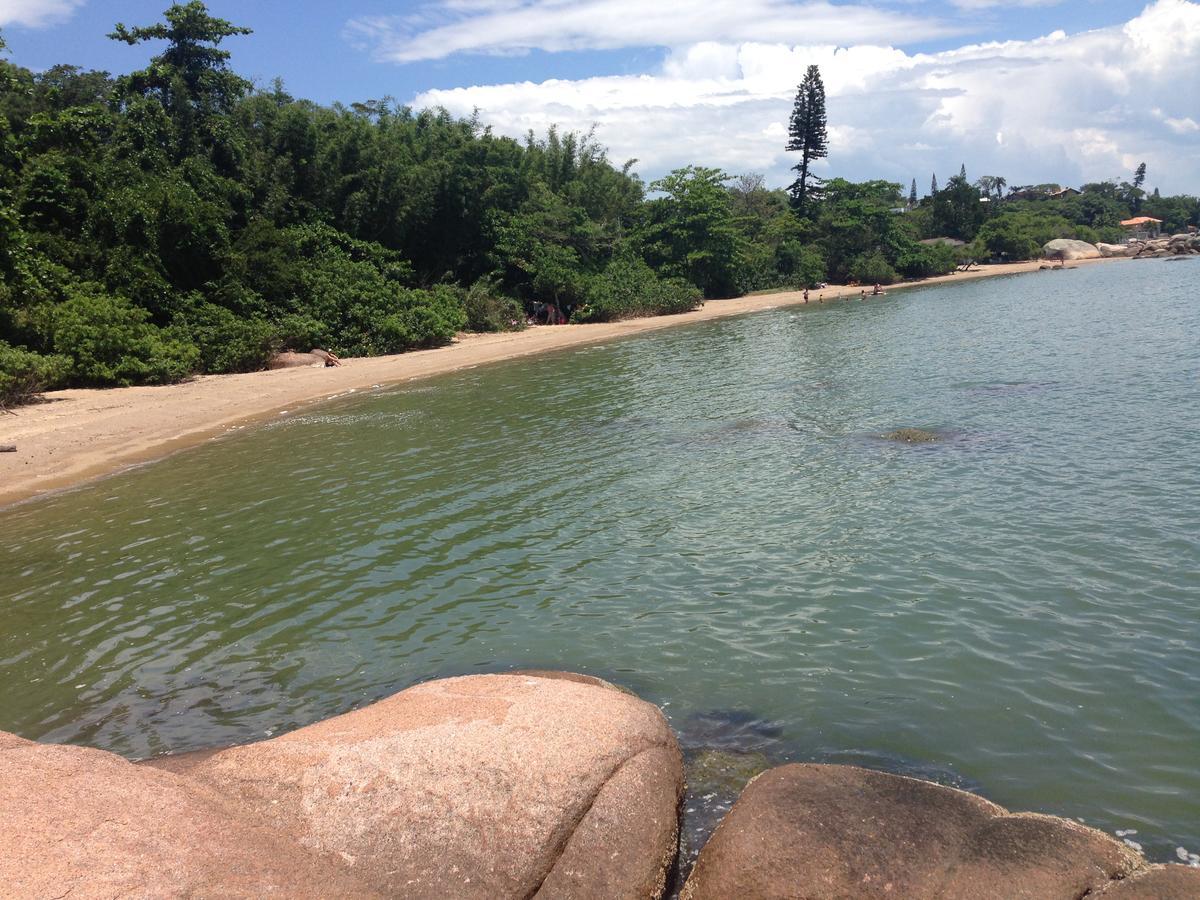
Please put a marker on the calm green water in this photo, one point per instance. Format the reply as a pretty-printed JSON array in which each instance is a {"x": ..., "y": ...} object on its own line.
[{"x": 704, "y": 516}]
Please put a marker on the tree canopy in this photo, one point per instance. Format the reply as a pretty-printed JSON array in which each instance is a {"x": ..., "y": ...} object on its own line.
[
  {"x": 179, "y": 221},
  {"x": 808, "y": 135}
]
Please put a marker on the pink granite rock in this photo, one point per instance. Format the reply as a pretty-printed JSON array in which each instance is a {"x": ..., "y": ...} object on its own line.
[
  {"x": 818, "y": 832},
  {"x": 484, "y": 786}
]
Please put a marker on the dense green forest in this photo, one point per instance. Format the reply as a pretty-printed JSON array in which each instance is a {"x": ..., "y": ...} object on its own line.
[{"x": 179, "y": 220}]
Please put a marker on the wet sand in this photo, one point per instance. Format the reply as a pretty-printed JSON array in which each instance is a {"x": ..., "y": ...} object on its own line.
[{"x": 79, "y": 435}]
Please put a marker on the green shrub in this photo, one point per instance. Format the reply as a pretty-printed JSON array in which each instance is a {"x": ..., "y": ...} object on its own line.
[
  {"x": 299, "y": 332},
  {"x": 25, "y": 374},
  {"x": 926, "y": 260},
  {"x": 421, "y": 318},
  {"x": 226, "y": 342},
  {"x": 109, "y": 341},
  {"x": 800, "y": 265},
  {"x": 873, "y": 268},
  {"x": 488, "y": 309},
  {"x": 629, "y": 287}
]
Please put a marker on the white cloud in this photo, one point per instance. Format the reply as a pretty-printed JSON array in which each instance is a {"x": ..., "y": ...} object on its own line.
[
  {"x": 991, "y": 4},
  {"x": 36, "y": 13},
  {"x": 1182, "y": 126},
  {"x": 444, "y": 28},
  {"x": 1069, "y": 108}
]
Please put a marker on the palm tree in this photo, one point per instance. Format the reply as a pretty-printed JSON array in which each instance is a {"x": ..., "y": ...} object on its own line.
[{"x": 992, "y": 185}]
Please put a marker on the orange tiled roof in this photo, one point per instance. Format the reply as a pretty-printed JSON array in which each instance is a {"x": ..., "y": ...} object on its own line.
[{"x": 1141, "y": 220}]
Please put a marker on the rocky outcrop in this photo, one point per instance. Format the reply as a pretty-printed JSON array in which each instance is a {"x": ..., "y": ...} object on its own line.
[
  {"x": 1175, "y": 245},
  {"x": 497, "y": 786},
  {"x": 485, "y": 786},
  {"x": 818, "y": 831},
  {"x": 1109, "y": 251},
  {"x": 1064, "y": 248},
  {"x": 290, "y": 359},
  {"x": 87, "y": 824}
]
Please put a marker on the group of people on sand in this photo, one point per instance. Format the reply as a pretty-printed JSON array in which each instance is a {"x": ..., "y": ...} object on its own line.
[
  {"x": 547, "y": 313},
  {"x": 878, "y": 291}
]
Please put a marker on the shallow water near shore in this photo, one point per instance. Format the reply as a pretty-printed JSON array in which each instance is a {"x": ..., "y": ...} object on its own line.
[{"x": 709, "y": 516}]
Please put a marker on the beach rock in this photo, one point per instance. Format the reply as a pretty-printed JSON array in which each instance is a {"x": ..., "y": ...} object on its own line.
[
  {"x": 911, "y": 436},
  {"x": 484, "y": 786},
  {"x": 1116, "y": 250},
  {"x": 1156, "y": 883},
  {"x": 1064, "y": 248},
  {"x": 90, "y": 824},
  {"x": 290, "y": 359},
  {"x": 819, "y": 831}
]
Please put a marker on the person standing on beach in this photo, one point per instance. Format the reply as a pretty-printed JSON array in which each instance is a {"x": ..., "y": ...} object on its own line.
[{"x": 806, "y": 295}]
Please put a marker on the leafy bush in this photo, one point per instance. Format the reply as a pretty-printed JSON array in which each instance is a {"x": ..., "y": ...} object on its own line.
[
  {"x": 629, "y": 287},
  {"x": 489, "y": 310},
  {"x": 926, "y": 260},
  {"x": 226, "y": 342},
  {"x": 421, "y": 318},
  {"x": 109, "y": 341},
  {"x": 24, "y": 374},
  {"x": 299, "y": 332},
  {"x": 872, "y": 268},
  {"x": 801, "y": 265}
]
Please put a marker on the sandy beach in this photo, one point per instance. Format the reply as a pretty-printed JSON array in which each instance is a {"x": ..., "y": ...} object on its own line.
[{"x": 78, "y": 435}]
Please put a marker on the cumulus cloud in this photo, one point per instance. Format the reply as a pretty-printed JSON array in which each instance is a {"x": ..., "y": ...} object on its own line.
[
  {"x": 992, "y": 4},
  {"x": 1068, "y": 108},
  {"x": 36, "y": 13},
  {"x": 441, "y": 29}
]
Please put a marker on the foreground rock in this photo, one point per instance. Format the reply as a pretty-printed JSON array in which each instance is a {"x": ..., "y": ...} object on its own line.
[
  {"x": 1064, "y": 248},
  {"x": 816, "y": 831},
  {"x": 489, "y": 786},
  {"x": 87, "y": 824}
]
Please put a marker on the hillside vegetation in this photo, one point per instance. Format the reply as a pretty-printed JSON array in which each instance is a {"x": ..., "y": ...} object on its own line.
[{"x": 179, "y": 220}]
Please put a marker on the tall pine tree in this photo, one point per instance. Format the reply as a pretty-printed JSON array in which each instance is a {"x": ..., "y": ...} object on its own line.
[
  {"x": 933, "y": 188},
  {"x": 807, "y": 135},
  {"x": 912, "y": 195}
]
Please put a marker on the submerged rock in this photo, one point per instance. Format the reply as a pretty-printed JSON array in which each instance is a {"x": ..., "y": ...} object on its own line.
[
  {"x": 723, "y": 771},
  {"x": 912, "y": 436},
  {"x": 817, "y": 831},
  {"x": 735, "y": 730},
  {"x": 483, "y": 786}
]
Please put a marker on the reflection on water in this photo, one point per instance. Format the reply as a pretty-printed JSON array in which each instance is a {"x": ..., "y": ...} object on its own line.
[{"x": 702, "y": 516}]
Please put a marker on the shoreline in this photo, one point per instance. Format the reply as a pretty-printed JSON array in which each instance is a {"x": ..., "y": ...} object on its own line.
[{"x": 83, "y": 434}]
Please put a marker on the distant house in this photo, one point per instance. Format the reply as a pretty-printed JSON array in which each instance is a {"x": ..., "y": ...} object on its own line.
[
  {"x": 1141, "y": 228},
  {"x": 1041, "y": 192}
]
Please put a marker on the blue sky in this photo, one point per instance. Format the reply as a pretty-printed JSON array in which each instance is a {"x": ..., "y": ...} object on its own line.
[{"x": 1034, "y": 90}]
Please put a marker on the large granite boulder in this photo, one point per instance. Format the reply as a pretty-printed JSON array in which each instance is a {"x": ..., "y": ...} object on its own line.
[
  {"x": 1117, "y": 250},
  {"x": 84, "y": 823},
  {"x": 486, "y": 786},
  {"x": 817, "y": 831},
  {"x": 1156, "y": 883},
  {"x": 1064, "y": 248}
]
